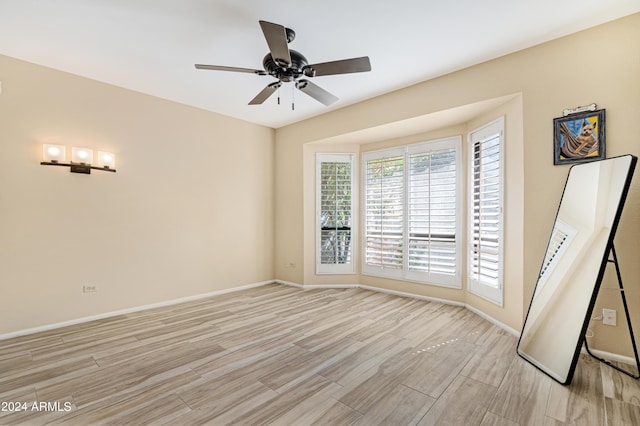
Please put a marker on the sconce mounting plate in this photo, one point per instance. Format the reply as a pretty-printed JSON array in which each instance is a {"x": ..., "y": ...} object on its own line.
[{"x": 80, "y": 168}]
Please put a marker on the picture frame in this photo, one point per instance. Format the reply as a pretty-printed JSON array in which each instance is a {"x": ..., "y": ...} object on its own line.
[{"x": 579, "y": 138}]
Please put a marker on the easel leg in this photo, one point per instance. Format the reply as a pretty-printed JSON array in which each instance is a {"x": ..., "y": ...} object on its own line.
[{"x": 626, "y": 312}]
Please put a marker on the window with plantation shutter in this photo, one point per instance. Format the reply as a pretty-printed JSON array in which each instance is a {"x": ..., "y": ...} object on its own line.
[
  {"x": 432, "y": 212},
  {"x": 384, "y": 212},
  {"x": 411, "y": 213},
  {"x": 485, "y": 211},
  {"x": 334, "y": 236}
]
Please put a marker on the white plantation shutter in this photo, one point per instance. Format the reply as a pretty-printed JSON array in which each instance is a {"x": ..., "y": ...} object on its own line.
[
  {"x": 384, "y": 212},
  {"x": 411, "y": 213},
  {"x": 485, "y": 214},
  {"x": 334, "y": 254},
  {"x": 432, "y": 212}
]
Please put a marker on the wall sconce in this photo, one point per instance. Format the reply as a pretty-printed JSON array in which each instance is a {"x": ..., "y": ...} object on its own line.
[{"x": 81, "y": 159}]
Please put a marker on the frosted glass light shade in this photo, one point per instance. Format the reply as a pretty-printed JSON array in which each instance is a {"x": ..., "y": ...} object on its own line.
[
  {"x": 54, "y": 153},
  {"x": 81, "y": 155},
  {"x": 106, "y": 160}
]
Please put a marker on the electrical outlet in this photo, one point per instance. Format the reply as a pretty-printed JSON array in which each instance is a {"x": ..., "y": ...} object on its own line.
[
  {"x": 89, "y": 289},
  {"x": 609, "y": 317}
]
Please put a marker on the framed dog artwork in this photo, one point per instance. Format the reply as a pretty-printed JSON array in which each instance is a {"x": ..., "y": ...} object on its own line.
[{"x": 579, "y": 138}]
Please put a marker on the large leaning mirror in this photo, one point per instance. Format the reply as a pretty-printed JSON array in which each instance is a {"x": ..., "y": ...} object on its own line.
[{"x": 574, "y": 264}]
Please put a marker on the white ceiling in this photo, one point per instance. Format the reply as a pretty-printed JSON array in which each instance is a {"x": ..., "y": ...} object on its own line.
[{"x": 151, "y": 46}]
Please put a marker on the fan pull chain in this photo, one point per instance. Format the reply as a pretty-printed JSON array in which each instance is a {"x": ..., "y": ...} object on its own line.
[
  {"x": 278, "y": 95},
  {"x": 293, "y": 94}
]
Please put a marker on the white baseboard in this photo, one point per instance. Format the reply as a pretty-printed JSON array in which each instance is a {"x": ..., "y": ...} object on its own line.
[
  {"x": 130, "y": 310},
  {"x": 411, "y": 295},
  {"x": 492, "y": 320},
  {"x": 290, "y": 284},
  {"x": 316, "y": 286},
  {"x": 611, "y": 356}
]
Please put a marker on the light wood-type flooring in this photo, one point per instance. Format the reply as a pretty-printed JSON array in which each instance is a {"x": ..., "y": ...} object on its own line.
[{"x": 284, "y": 356}]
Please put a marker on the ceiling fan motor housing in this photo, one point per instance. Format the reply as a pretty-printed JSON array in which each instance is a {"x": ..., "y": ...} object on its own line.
[{"x": 286, "y": 74}]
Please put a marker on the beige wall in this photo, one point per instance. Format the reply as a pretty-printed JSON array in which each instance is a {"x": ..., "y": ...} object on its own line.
[
  {"x": 598, "y": 65},
  {"x": 189, "y": 211}
]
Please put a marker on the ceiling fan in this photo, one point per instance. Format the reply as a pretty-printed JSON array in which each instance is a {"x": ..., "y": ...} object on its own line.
[{"x": 288, "y": 65}]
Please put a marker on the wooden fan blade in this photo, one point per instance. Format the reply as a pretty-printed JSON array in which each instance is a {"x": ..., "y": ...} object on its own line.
[
  {"x": 316, "y": 92},
  {"x": 265, "y": 93},
  {"x": 344, "y": 66},
  {"x": 276, "y": 36},
  {"x": 233, "y": 69}
]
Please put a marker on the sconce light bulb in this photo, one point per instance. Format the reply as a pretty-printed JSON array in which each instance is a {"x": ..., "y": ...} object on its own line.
[
  {"x": 107, "y": 158},
  {"x": 83, "y": 154},
  {"x": 53, "y": 151}
]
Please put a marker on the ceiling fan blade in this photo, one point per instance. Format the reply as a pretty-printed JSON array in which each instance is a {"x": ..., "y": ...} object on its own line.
[
  {"x": 265, "y": 93},
  {"x": 234, "y": 69},
  {"x": 276, "y": 36},
  {"x": 344, "y": 66},
  {"x": 316, "y": 92}
]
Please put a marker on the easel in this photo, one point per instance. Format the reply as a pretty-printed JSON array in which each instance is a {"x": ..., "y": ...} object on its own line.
[{"x": 626, "y": 311}]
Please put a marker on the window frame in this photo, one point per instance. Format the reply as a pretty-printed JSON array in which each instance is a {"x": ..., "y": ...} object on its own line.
[
  {"x": 404, "y": 273},
  {"x": 335, "y": 268},
  {"x": 475, "y": 286}
]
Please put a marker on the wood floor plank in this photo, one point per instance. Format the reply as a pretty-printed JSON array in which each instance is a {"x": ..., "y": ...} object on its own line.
[
  {"x": 310, "y": 410},
  {"x": 338, "y": 414},
  {"x": 280, "y": 405},
  {"x": 244, "y": 355},
  {"x": 523, "y": 394},
  {"x": 617, "y": 385},
  {"x": 346, "y": 370},
  {"x": 235, "y": 380},
  {"x": 580, "y": 403},
  {"x": 45, "y": 373},
  {"x": 285, "y": 356},
  {"x": 309, "y": 364},
  {"x": 164, "y": 409},
  {"x": 491, "y": 419},
  {"x": 20, "y": 345},
  {"x": 501, "y": 350},
  {"x": 621, "y": 413},
  {"x": 403, "y": 406},
  {"x": 128, "y": 399},
  {"x": 227, "y": 408},
  {"x": 380, "y": 382},
  {"x": 465, "y": 402},
  {"x": 435, "y": 371}
]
